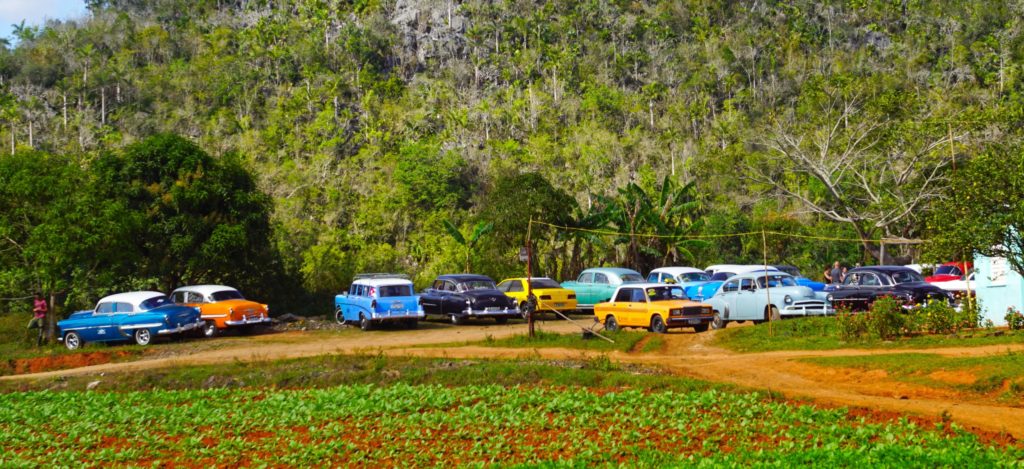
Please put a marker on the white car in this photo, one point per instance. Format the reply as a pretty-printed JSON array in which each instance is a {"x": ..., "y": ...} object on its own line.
[{"x": 959, "y": 285}]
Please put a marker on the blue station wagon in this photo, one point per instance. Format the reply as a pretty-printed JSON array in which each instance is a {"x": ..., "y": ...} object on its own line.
[
  {"x": 138, "y": 316},
  {"x": 379, "y": 298}
]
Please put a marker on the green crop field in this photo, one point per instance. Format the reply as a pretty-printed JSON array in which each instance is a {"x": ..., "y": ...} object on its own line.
[{"x": 402, "y": 425}]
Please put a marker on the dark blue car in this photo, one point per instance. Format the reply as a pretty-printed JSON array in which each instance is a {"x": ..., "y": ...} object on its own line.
[{"x": 136, "y": 316}]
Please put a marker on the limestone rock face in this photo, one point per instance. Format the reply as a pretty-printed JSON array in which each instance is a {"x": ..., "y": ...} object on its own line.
[{"x": 431, "y": 28}]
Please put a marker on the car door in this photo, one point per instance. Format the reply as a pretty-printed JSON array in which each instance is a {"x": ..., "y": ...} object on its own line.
[
  {"x": 124, "y": 315},
  {"x": 602, "y": 289},
  {"x": 727, "y": 296},
  {"x": 871, "y": 287},
  {"x": 431, "y": 298},
  {"x": 620, "y": 306},
  {"x": 749, "y": 300},
  {"x": 636, "y": 308},
  {"x": 450, "y": 299},
  {"x": 585, "y": 288}
]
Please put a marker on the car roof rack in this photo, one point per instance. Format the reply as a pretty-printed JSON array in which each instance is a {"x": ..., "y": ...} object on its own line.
[{"x": 380, "y": 275}]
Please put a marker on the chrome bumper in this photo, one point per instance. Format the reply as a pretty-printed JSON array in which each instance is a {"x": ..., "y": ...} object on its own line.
[
  {"x": 247, "y": 321},
  {"x": 823, "y": 309},
  {"x": 491, "y": 312},
  {"x": 397, "y": 316},
  {"x": 182, "y": 328}
]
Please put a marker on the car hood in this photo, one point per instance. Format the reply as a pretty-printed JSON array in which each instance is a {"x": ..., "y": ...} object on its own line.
[
  {"x": 487, "y": 295},
  {"x": 793, "y": 292},
  {"x": 674, "y": 304}
]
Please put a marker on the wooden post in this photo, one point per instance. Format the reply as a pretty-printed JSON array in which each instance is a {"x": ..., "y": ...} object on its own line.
[
  {"x": 529, "y": 277},
  {"x": 767, "y": 291}
]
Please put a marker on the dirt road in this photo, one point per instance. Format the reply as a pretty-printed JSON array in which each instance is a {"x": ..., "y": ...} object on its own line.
[{"x": 685, "y": 353}]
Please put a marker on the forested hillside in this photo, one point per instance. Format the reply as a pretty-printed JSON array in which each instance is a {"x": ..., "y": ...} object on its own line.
[{"x": 351, "y": 132}]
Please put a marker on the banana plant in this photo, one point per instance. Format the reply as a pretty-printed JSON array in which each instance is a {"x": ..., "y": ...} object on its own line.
[{"x": 468, "y": 241}]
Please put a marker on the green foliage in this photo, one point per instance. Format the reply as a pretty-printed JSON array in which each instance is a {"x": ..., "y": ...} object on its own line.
[
  {"x": 1014, "y": 319},
  {"x": 987, "y": 214}
]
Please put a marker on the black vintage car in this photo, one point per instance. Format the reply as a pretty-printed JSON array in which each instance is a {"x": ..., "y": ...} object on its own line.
[
  {"x": 464, "y": 296},
  {"x": 863, "y": 285}
]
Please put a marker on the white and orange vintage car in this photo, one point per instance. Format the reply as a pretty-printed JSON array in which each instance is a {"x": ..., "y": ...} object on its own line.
[{"x": 222, "y": 308}]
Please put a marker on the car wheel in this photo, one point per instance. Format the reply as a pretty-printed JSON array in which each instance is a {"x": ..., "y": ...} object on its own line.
[
  {"x": 501, "y": 320},
  {"x": 210, "y": 329},
  {"x": 524, "y": 310},
  {"x": 456, "y": 319},
  {"x": 717, "y": 322},
  {"x": 611, "y": 324},
  {"x": 73, "y": 341},
  {"x": 339, "y": 317},
  {"x": 700, "y": 328},
  {"x": 364, "y": 323},
  {"x": 772, "y": 314},
  {"x": 143, "y": 336},
  {"x": 658, "y": 324}
]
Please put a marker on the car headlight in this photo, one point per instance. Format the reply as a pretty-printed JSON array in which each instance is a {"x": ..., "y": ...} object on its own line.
[
  {"x": 829, "y": 297},
  {"x": 788, "y": 299}
]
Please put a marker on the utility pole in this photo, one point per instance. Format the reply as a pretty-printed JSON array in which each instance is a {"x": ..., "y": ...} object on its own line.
[{"x": 529, "y": 278}]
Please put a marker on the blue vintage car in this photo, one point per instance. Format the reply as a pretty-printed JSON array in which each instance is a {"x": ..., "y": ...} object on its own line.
[
  {"x": 379, "y": 298},
  {"x": 138, "y": 316},
  {"x": 596, "y": 285}
]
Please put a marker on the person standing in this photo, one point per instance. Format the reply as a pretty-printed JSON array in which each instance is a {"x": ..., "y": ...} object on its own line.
[
  {"x": 39, "y": 310},
  {"x": 836, "y": 274}
]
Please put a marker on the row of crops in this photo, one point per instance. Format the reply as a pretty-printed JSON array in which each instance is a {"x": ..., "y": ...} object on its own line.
[{"x": 472, "y": 425}]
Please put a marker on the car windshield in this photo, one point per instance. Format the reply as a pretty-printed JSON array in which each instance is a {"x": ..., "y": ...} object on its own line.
[
  {"x": 694, "y": 277},
  {"x": 722, "y": 275},
  {"x": 544, "y": 283},
  {"x": 665, "y": 293},
  {"x": 627, "y": 278},
  {"x": 789, "y": 270},
  {"x": 477, "y": 285},
  {"x": 225, "y": 295},
  {"x": 906, "y": 276},
  {"x": 776, "y": 281},
  {"x": 395, "y": 290},
  {"x": 154, "y": 302},
  {"x": 947, "y": 270}
]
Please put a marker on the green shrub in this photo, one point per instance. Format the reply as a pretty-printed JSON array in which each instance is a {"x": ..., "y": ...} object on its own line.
[
  {"x": 886, "y": 319},
  {"x": 852, "y": 326},
  {"x": 1014, "y": 318},
  {"x": 937, "y": 317}
]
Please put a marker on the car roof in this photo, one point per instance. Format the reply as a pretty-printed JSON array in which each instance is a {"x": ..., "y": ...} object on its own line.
[
  {"x": 205, "y": 290},
  {"x": 678, "y": 270},
  {"x": 882, "y": 268},
  {"x": 531, "y": 278},
  {"x": 464, "y": 277},
  {"x": 134, "y": 297},
  {"x": 758, "y": 273},
  {"x": 648, "y": 285},
  {"x": 620, "y": 271},
  {"x": 382, "y": 282}
]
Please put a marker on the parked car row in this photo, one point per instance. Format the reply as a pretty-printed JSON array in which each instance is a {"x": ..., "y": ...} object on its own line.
[{"x": 144, "y": 315}]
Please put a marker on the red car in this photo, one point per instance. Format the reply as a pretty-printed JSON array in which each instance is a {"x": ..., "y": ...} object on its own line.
[{"x": 949, "y": 271}]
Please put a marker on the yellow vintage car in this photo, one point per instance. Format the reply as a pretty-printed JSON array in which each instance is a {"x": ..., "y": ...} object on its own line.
[
  {"x": 550, "y": 295},
  {"x": 653, "y": 306}
]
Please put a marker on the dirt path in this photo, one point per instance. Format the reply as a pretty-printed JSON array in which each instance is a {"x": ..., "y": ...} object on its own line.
[{"x": 684, "y": 353}]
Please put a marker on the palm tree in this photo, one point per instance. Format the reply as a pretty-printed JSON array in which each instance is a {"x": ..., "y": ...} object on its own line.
[{"x": 468, "y": 242}]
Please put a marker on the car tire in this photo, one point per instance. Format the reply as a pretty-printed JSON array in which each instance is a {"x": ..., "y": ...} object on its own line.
[
  {"x": 339, "y": 317},
  {"x": 501, "y": 320},
  {"x": 457, "y": 319},
  {"x": 365, "y": 323},
  {"x": 771, "y": 314},
  {"x": 611, "y": 324},
  {"x": 524, "y": 310},
  {"x": 700, "y": 328},
  {"x": 210, "y": 329},
  {"x": 142, "y": 336},
  {"x": 73, "y": 341},
  {"x": 717, "y": 322},
  {"x": 658, "y": 325}
]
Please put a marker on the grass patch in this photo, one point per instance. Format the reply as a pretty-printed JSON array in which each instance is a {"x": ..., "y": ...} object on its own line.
[
  {"x": 333, "y": 370},
  {"x": 822, "y": 333},
  {"x": 624, "y": 341},
  {"x": 1001, "y": 374}
]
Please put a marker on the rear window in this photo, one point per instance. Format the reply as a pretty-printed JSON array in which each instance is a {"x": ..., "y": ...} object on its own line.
[
  {"x": 154, "y": 302},
  {"x": 395, "y": 290},
  {"x": 722, "y": 276},
  {"x": 544, "y": 283},
  {"x": 632, "y": 278},
  {"x": 694, "y": 277},
  {"x": 225, "y": 295}
]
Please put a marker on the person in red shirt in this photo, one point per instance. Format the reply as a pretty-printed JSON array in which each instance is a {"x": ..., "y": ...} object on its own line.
[{"x": 39, "y": 310}]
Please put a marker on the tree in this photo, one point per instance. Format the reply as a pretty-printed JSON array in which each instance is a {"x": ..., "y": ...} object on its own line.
[
  {"x": 468, "y": 242},
  {"x": 986, "y": 213},
  {"x": 195, "y": 218}
]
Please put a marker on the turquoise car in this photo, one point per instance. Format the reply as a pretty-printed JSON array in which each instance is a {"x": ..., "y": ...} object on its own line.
[
  {"x": 598, "y": 284},
  {"x": 374, "y": 299}
]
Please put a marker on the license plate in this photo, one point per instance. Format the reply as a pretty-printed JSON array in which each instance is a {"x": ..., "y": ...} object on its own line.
[
  {"x": 397, "y": 305},
  {"x": 492, "y": 309},
  {"x": 693, "y": 321},
  {"x": 559, "y": 304}
]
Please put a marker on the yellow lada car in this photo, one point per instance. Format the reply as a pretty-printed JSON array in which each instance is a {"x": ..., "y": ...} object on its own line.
[
  {"x": 550, "y": 295},
  {"x": 653, "y": 306}
]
